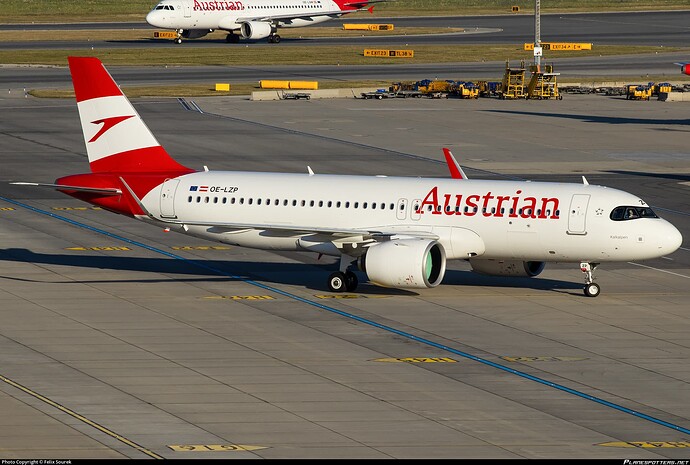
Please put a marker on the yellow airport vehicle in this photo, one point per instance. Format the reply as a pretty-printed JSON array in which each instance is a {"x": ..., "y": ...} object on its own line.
[
  {"x": 513, "y": 82},
  {"x": 638, "y": 92},
  {"x": 543, "y": 83}
]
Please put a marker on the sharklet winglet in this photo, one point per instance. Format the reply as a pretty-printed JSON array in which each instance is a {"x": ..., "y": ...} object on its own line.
[{"x": 456, "y": 171}]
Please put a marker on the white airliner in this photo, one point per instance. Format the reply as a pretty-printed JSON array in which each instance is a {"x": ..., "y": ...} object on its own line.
[
  {"x": 251, "y": 19},
  {"x": 399, "y": 230}
]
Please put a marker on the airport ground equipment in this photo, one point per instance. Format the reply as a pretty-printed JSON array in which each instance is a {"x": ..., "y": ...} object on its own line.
[
  {"x": 296, "y": 96},
  {"x": 513, "y": 82},
  {"x": 468, "y": 90},
  {"x": 489, "y": 88},
  {"x": 543, "y": 84},
  {"x": 638, "y": 92}
]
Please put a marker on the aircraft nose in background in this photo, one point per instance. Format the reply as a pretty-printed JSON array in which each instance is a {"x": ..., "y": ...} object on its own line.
[{"x": 155, "y": 19}]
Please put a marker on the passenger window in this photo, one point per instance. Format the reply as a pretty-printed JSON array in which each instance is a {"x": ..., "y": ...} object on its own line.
[{"x": 189, "y": 199}]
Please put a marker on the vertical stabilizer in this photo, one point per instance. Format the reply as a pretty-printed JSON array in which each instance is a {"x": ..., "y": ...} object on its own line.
[{"x": 117, "y": 139}]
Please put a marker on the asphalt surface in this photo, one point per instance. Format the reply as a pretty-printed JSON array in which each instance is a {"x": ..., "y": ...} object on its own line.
[{"x": 119, "y": 340}]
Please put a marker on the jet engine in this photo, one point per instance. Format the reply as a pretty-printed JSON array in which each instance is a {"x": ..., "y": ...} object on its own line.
[
  {"x": 405, "y": 263},
  {"x": 256, "y": 29},
  {"x": 507, "y": 267},
  {"x": 685, "y": 68},
  {"x": 195, "y": 33}
]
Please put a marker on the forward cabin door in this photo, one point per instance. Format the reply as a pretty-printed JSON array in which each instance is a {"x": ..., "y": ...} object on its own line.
[
  {"x": 187, "y": 9},
  {"x": 577, "y": 215},
  {"x": 168, "y": 198}
]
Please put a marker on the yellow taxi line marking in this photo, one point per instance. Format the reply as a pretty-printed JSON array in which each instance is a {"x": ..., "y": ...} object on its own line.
[
  {"x": 544, "y": 359},
  {"x": 107, "y": 248},
  {"x": 82, "y": 418},
  {"x": 213, "y": 447},
  {"x": 7, "y": 209},
  {"x": 201, "y": 247},
  {"x": 240, "y": 297},
  {"x": 417, "y": 360},
  {"x": 648, "y": 444}
]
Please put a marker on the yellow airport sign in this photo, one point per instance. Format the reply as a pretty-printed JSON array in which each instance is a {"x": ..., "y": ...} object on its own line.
[
  {"x": 389, "y": 53},
  {"x": 165, "y": 35},
  {"x": 368, "y": 27},
  {"x": 222, "y": 86},
  {"x": 560, "y": 46}
]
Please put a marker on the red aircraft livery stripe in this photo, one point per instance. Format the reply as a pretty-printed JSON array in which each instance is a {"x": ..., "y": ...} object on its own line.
[{"x": 91, "y": 80}]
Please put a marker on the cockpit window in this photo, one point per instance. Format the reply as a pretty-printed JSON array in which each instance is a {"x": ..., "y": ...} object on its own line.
[
  {"x": 159, "y": 7},
  {"x": 631, "y": 213}
]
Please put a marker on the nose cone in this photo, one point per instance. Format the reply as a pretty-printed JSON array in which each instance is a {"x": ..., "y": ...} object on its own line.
[
  {"x": 670, "y": 239},
  {"x": 155, "y": 19}
]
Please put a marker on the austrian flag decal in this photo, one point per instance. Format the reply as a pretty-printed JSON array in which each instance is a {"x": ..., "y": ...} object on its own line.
[{"x": 198, "y": 188}]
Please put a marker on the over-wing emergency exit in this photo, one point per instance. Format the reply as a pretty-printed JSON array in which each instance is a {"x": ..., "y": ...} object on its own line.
[{"x": 400, "y": 231}]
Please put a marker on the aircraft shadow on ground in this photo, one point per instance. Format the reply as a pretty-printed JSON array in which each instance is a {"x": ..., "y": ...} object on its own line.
[
  {"x": 674, "y": 176},
  {"x": 310, "y": 276},
  {"x": 598, "y": 119}
]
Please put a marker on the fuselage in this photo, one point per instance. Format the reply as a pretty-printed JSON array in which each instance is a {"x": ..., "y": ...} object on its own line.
[
  {"x": 520, "y": 220},
  {"x": 228, "y": 15}
]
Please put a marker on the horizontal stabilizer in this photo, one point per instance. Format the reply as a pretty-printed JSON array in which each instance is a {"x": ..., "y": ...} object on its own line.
[{"x": 62, "y": 187}]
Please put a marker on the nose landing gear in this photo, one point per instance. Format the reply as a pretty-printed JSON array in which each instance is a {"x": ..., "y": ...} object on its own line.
[{"x": 591, "y": 288}]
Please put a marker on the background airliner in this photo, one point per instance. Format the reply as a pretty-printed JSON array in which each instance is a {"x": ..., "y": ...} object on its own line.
[
  {"x": 400, "y": 231},
  {"x": 251, "y": 19}
]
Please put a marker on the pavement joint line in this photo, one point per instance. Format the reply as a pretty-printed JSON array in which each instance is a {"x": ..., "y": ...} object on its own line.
[
  {"x": 81, "y": 418},
  {"x": 365, "y": 321}
]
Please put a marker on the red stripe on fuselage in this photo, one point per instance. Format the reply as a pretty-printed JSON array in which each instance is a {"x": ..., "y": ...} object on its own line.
[
  {"x": 145, "y": 160},
  {"x": 91, "y": 79},
  {"x": 342, "y": 5}
]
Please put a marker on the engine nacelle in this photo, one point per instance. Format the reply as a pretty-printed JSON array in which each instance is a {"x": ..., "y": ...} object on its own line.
[
  {"x": 195, "y": 33},
  {"x": 507, "y": 267},
  {"x": 685, "y": 68},
  {"x": 405, "y": 263},
  {"x": 256, "y": 29}
]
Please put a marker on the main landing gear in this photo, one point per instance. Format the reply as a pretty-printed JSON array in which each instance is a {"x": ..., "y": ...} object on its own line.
[
  {"x": 343, "y": 280},
  {"x": 232, "y": 38},
  {"x": 591, "y": 288},
  {"x": 339, "y": 281},
  {"x": 274, "y": 39}
]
